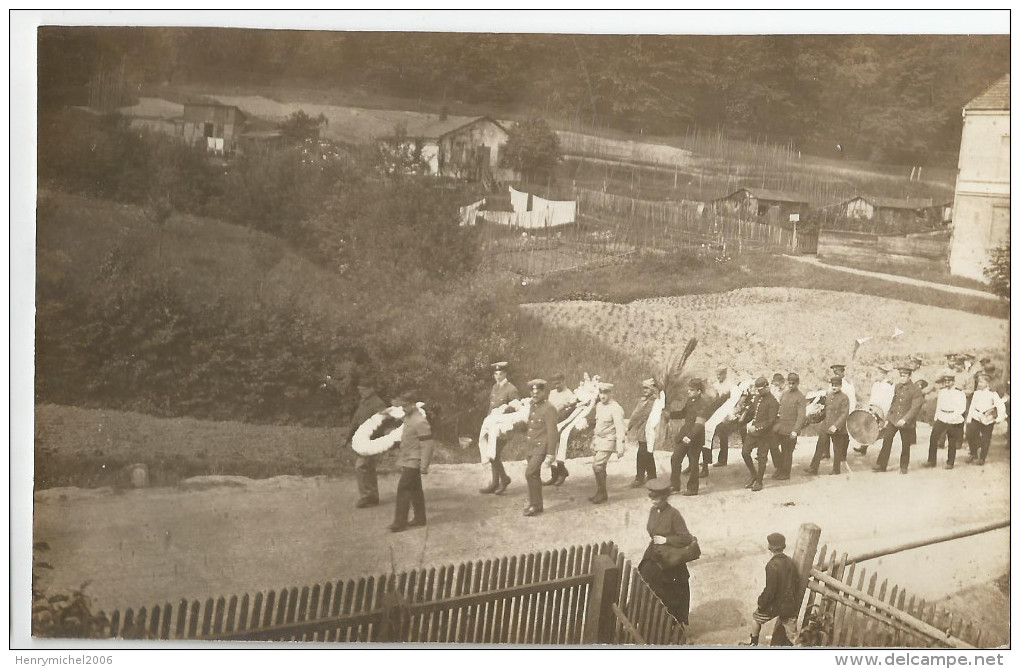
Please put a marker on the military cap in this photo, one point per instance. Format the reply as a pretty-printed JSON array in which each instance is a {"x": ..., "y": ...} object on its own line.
[
  {"x": 659, "y": 487},
  {"x": 904, "y": 367},
  {"x": 696, "y": 384},
  {"x": 984, "y": 361},
  {"x": 777, "y": 540},
  {"x": 946, "y": 374},
  {"x": 537, "y": 383},
  {"x": 883, "y": 368},
  {"x": 500, "y": 366},
  {"x": 952, "y": 356},
  {"x": 605, "y": 387},
  {"x": 836, "y": 381},
  {"x": 986, "y": 375},
  {"x": 988, "y": 369},
  {"x": 761, "y": 382},
  {"x": 793, "y": 377},
  {"x": 721, "y": 368},
  {"x": 837, "y": 366}
]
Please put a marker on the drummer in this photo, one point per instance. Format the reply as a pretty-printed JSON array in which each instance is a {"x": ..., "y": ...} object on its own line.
[
  {"x": 838, "y": 370},
  {"x": 881, "y": 396}
]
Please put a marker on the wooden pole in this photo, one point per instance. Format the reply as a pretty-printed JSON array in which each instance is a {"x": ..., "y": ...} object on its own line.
[
  {"x": 605, "y": 590},
  {"x": 804, "y": 556},
  {"x": 928, "y": 542}
]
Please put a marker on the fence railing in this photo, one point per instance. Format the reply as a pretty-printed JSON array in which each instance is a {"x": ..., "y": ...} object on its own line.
[
  {"x": 848, "y": 607},
  {"x": 579, "y": 595}
]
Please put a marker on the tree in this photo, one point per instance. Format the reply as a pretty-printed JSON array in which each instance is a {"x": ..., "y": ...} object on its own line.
[
  {"x": 300, "y": 127},
  {"x": 997, "y": 270},
  {"x": 532, "y": 148}
]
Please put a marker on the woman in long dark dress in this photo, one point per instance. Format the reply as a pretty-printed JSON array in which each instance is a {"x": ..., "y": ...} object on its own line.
[{"x": 666, "y": 527}]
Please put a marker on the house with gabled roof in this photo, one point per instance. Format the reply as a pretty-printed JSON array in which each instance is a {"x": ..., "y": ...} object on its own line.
[
  {"x": 774, "y": 205},
  {"x": 981, "y": 205},
  {"x": 456, "y": 147}
]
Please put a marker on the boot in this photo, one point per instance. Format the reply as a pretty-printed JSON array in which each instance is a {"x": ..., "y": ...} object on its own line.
[
  {"x": 489, "y": 489},
  {"x": 638, "y": 482},
  {"x": 600, "y": 495},
  {"x": 752, "y": 642},
  {"x": 501, "y": 488},
  {"x": 561, "y": 474}
]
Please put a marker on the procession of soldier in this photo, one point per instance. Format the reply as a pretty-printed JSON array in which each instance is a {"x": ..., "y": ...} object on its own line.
[{"x": 768, "y": 415}]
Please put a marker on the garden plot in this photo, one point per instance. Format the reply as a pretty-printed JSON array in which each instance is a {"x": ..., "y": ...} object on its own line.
[{"x": 764, "y": 330}]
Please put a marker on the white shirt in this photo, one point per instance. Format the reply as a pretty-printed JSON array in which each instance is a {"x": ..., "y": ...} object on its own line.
[
  {"x": 981, "y": 405},
  {"x": 950, "y": 406},
  {"x": 848, "y": 390},
  {"x": 561, "y": 398},
  {"x": 881, "y": 395},
  {"x": 724, "y": 387}
]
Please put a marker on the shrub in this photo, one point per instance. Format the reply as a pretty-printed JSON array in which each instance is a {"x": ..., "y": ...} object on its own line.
[{"x": 997, "y": 270}]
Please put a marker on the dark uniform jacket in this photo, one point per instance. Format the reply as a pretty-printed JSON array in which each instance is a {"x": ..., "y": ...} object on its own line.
[
  {"x": 792, "y": 412},
  {"x": 367, "y": 408},
  {"x": 779, "y": 598},
  {"x": 543, "y": 435},
  {"x": 906, "y": 404},
  {"x": 837, "y": 409},
  {"x": 691, "y": 426},
  {"x": 502, "y": 393},
  {"x": 639, "y": 418},
  {"x": 764, "y": 411},
  {"x": 415, "y": 442}
]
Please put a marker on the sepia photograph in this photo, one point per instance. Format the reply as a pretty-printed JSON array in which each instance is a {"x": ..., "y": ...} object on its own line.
[{"x": 691, "y": 333}]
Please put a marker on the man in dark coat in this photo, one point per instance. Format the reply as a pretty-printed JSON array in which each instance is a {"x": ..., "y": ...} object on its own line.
[
  {"x": 781, "y": 596},
  {"x": 833, "y": 427},
  {"x": 364, "y": 465},
  {"x": 691, "y": 438},
  {"x": 789, "y": 423},
  {"x": 761, "y": 418},
  {"x": 902, "y": 419},
  {"x": 540, "y": 442}
]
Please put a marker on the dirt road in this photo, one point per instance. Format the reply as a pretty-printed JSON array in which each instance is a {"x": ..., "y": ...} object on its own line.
[{"x": 223, "y": 536}]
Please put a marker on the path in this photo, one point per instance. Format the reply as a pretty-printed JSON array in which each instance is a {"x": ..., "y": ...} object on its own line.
[
  {"x": 970, "y": 292},
  {"x": 229, "y": 535}
]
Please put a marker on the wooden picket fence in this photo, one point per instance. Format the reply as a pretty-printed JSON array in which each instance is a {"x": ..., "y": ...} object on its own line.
[
  {"x": 579, "y": 595},
  {"x": 848, "y": 607}
]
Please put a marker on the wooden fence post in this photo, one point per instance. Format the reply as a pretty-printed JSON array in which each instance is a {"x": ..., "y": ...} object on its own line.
[
  {"x": 395, "y": 618},
  {"x": 600, "y": 620},
  {"x": 804, "y": 556}
]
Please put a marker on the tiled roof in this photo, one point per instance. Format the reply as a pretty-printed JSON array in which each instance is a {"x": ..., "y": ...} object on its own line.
[{"x": 995, "y": 97}]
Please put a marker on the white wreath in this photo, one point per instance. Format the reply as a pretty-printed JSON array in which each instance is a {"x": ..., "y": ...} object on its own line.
[{"x": 362, "y": 441}]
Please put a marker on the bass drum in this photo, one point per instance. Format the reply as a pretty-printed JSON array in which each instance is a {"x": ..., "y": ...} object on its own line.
[{"x": 864, "y": 425}]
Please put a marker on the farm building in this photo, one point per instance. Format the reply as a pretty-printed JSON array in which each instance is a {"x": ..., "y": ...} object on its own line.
[
  {"x": 759, "y": 202},
  {"x": 216, "y": 126},
  {"x": 892, "y": 211},
  {"x": 458, "y": 149},
  {"x": 981, "y": 206}
]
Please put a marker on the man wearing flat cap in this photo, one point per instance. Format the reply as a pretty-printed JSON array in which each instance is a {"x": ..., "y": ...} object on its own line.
[
  {"x": 833, "y": 428},
  {"x": 636, "y": 432},
  {"x": 781, "y": 597},
  {"x": 608, "y": 438},
  {"x": 540, "y": 443},
  {"x": 902, "y": 420},
  {"x": 413, "y": 458},
  {"x": 364, "y": 465},
  {"x": 950, "y": 410},
  {"x": 838, "y": 370},
  {"x": 690, "y": 440},
  {"x": 762, "y": 415},
  {"x": 503, "y": 392},
  {"x": 789, "y": 423}
]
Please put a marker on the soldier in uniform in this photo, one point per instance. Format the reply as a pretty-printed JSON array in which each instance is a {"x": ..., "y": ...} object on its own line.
[
  {"x": 761, "y": 418},
  {"x": 986, "y": 409},
  {"x": 902, "y": 419},
  {"x": 636, "y": 432},
  {"x": 691, "y": 438},
  {"x": 789, "y": 422},
  {"x": 563, "y": 400},
  {"x": 413, "y": 458},
  {"x": 501, "y": 394},
  {"x": 364, "y": 465},
  {"x": 950, "y": 408},
  {"x": 540, "y": 443},
  {"x": 609, "y": 436},
  {"x": 833, "y": 427}
]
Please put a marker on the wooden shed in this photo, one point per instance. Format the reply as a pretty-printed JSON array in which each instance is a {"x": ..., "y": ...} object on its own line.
[
  {"x": 457, "y": 147},
  {"x": 215, "y": 126},
  {"x": 890, "y": 210},
  {"x": 773, "y": 205}
]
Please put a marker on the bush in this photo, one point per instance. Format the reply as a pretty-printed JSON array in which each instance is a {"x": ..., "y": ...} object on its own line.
[{"x": 997, "y": 270}]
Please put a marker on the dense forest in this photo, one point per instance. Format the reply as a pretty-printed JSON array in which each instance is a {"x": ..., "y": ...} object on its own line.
[{"x": 893, "y": 98}]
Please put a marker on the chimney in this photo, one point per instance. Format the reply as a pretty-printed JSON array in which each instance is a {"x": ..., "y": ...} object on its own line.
[{"x": 443, "y": 111}]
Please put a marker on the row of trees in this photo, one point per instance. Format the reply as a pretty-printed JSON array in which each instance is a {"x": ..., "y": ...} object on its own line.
[{"x": 886, "y": 97}]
